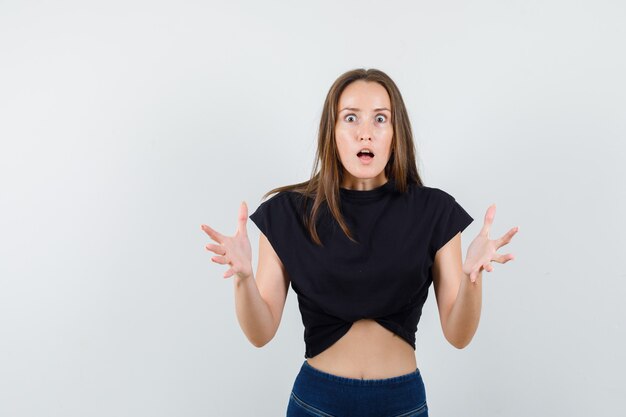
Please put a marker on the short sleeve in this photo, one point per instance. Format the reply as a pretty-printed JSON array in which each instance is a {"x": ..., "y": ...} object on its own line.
[
  {"x": 454, "y": 219},
  {"x": 274, "y": 219},
  {"x": 261, "y": 219}
]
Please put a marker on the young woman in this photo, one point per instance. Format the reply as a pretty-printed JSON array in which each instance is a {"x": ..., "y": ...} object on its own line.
[{"x": 360, "y": 243}]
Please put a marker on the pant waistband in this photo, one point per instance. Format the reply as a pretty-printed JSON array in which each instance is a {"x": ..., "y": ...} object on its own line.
[{"x": 306, "y": 367}]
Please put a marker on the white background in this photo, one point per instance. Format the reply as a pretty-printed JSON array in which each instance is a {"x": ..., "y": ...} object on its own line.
[{"x": 124, "y": 125}]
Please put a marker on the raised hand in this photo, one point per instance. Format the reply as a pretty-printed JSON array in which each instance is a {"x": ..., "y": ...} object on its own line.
[
  {"x": 233, "y": 250},
  {"x": 482, "y": 250}
]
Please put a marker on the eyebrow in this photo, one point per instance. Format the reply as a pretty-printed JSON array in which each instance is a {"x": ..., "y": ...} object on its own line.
[{"x": 355, "y": 109}]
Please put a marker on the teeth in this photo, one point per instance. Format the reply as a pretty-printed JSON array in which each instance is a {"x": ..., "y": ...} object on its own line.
[{"x": 366, "y": 151}]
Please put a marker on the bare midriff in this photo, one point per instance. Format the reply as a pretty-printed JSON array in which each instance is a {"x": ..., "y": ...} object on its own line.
[{"x": 367, "y": 351}]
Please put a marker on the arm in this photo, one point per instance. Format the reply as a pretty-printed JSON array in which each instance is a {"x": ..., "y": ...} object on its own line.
[
  {"x": 260, "y": 302},
  {"x": 458, "y": 285},
  {"x": 458, "y": 299}
]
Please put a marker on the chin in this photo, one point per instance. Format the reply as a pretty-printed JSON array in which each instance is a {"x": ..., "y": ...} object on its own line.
[{"x": 367, "y": 173}]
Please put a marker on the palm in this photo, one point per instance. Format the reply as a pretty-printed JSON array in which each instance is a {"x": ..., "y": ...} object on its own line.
[
  {"x": 235, "y": 250},
  {"x": 482, "y": 251}
]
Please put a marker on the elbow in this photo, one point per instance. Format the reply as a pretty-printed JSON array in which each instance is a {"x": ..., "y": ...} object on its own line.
[
  {"x": 259, "y": 342},
  {"x": 262, "y": 336},
  {"x": 460, "y": 339},
  {"x": 459, "y": 343}
]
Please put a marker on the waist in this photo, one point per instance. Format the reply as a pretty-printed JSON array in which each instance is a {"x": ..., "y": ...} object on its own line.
[{"x": 367, "y": 351}]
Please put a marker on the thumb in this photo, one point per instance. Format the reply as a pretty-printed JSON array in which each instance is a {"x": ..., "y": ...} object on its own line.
[
  {"x": 243, "y": 218},
  {"x": 488, "y": 220}
]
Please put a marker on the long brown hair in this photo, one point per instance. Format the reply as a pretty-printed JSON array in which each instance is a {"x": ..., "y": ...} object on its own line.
[{"x": 323, "y": 185}]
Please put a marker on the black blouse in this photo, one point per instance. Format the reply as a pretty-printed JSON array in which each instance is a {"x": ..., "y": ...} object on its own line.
[{"x": 384, "y": 277}]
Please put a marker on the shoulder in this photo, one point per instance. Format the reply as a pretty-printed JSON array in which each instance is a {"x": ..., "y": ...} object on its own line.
[
  {"x": 282, "y": 204},
  {"x": 276, "y": 198},
  {"x": 429, "y": 195},
  {"x": 284, "y": 198},
  {"x": 434, "y": 191}
]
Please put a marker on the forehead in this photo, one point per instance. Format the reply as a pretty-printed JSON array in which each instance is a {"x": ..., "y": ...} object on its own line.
[{"x": 364, "y": 95}]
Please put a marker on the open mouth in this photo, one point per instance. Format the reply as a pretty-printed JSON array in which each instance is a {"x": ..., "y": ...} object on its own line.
[{"x": 365, "y": 156}]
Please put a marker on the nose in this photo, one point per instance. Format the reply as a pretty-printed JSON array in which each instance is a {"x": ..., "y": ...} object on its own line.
[{"x": 365, "y": 133}]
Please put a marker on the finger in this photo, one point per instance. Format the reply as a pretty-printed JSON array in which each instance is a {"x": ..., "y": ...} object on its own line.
[
  {"x": 243, "y": 218},
  {"x": 214, "y": 234},
  {"x": 218, "y": 249},
  {"x": 489, "y": 216},
  {"x": 229, "y": 273},
  {"x": 475, "y": 271},
  {"x": 502, "y": 259},
  {"x": 220, "y": 259},
  {"x": 506, "y": 238}
]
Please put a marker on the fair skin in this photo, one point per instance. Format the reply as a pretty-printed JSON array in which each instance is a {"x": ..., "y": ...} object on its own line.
[
  {"x": 367, "y": 350},
  {"x": 364, "y": 121}
]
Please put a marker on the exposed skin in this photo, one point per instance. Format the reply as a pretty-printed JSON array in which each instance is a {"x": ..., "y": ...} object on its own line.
[
  {"x": 367, "y": 350},
  {"x": 359, "y": 125}
]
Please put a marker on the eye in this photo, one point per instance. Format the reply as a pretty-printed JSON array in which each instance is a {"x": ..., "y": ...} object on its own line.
[
  {"x": 346, "y": 118},
  {"x": 381, "y": 116}
]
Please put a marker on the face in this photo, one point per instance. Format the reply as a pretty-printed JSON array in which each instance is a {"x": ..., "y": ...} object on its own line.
[{"x": 364, "y": 122}]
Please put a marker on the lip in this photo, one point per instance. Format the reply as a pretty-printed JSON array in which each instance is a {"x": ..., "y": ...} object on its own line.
[
  {"x": 366, "y": 160},
  {"x": 369, "y": 149}
]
